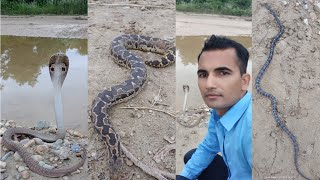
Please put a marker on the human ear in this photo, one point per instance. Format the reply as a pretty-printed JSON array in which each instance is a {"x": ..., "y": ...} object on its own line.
[{"x": 245, "y": 81}]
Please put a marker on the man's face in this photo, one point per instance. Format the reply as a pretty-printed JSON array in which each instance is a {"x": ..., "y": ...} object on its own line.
[{"x": 219, "y": 79}]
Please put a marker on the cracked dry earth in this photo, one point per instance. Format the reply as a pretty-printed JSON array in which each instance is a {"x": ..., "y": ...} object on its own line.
[
  {"x": 294, "y": 78},
  {"x": 143, "y": 132}
]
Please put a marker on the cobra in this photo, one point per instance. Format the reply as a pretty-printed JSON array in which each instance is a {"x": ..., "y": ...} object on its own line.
[{"x": 58, "y": 68}]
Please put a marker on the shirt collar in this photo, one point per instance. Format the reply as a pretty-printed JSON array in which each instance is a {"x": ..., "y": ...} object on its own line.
[{"x": 232, "y": 116}]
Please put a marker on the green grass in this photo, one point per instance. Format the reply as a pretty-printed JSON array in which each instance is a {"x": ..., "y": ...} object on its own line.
[
  {"x": 214, "y": 8},
  {"x": 48, "y": 7}
]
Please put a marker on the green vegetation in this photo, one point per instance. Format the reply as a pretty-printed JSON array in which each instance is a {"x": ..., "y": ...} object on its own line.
[
  {"x": 36, "y": 7},
  {"x": 226, "y": 7}
]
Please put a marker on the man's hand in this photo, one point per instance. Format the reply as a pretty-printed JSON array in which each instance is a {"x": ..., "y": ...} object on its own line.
[{"x": 178, "y": 177}]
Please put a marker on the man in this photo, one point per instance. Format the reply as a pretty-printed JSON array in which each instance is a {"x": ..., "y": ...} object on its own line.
[{"x": 223, "y": 83}]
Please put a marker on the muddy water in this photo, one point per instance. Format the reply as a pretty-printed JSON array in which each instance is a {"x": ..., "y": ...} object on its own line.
[
  {"x": 188, "y": 49},
  {"x": 27, "y": 93}
]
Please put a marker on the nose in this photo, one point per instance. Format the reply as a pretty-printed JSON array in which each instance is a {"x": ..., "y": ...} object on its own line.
[{"x": 211, "y": 82}]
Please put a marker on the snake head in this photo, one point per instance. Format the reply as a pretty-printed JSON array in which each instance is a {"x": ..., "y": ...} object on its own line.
[{"x": 58, "y": 67}]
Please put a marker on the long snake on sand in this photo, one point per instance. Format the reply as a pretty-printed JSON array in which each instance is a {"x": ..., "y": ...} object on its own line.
[
  {"x": 273, "y": 98},
  {"x": 58, "y": 68},
  {"x": 102, "y": 104}
]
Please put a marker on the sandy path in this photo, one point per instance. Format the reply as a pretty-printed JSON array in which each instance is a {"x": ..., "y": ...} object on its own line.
[
  {"x": 45, "y": 26},
  {"x": 188, "y": 24}
]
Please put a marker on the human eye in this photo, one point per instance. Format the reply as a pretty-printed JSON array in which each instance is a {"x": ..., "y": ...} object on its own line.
[
  {"x": 223, "y": 73},
  {"x": 202, "y": 75}
]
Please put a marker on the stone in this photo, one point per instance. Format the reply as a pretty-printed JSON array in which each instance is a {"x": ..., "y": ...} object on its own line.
[
  {"x": 128, "y": 162},
  {"x": 37, "y": 157},
  {"x": 38, "y": 141},
  {"x": 63, "y": 153},
  {"x": 2, "y": 170},
  {"x": 41, "y": 149},
  {"x": 75, "y": 148},
  {"x": 21, "y": 168},
  {"x": 25, "y": 174},
  {"x": 2, "y": 130},
  {"x": 3, "y": 164},
  {"x": 42, "y": 125},
  {"x": 78, "y": 134},
  {"x": 30, "y": 143},
  {"x": 17, "y": 156}
]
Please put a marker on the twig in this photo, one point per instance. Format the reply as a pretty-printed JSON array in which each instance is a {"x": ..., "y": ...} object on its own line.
[
  {"x": 159, "y": 110},
  {"x": 157, "y": 97},
  {"x": 161, "y": 175}
]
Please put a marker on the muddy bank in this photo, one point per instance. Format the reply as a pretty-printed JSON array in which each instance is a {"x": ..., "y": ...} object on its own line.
[{"x": 45, "y": 26}]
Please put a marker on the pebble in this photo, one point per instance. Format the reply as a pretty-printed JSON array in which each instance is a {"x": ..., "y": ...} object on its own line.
[
  {"x": 63, "y": 153},
  {"x": 65, "y": 177},
  {"x": 5, "y": 157},
  {"x": 317, "y": 7},
  {"x": 3, "y": 164},
  {"x": 43, "y": 164},
  {"x": 24, "y": 141},
  {"x": 66, "y": 143},
  {"x": 75, "y": 148},
  {"x": 41, "y": 149},
  {"x": 2, "y": 130},
  {"x": 138, "y": 176},
  {"x": 38, "y": 141},
  {"x": 77, "y": 134},
  {"x": 57, "y": 145},
  {"x": 42, "y": 125},
  {"x": 94, "y": 155},
  {"x": 17, "y": 156},
  {"x": 37, "y": 157},
  {"x": 2, "y": 170},
  {"x": 129, "y": 163},
  {"x": 25, "y": 174},
  {"x": 21, "y": 168},
  {"x": 122, "y": 134},
  {"x": 51, "y": 159},
  {"x": 29, "y": 143}
]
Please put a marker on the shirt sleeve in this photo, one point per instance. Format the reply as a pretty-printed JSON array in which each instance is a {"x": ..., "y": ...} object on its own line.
[{"x": 204, "y": 154}]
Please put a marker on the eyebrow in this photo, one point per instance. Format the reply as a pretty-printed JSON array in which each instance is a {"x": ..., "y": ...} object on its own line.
[
  {"x": 222, "y": 69},
  {"x": 216, "y": 70},
  {"x": 201, "y": 71}
]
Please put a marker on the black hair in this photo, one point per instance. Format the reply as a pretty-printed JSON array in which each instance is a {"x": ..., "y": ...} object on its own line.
[{"x": 221, "y": 42}]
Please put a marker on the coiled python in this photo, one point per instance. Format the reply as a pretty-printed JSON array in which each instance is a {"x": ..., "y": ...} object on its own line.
[
  {"x": 273, "y": 98},
  {"x": 58, "y": 68},
  {"x": 120, "y": 47}
]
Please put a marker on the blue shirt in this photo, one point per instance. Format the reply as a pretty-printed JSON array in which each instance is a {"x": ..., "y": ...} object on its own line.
[{"x": 231, "y": 135}]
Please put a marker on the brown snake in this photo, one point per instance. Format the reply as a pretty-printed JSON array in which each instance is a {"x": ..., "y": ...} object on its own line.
[
  {"x": 130, "y": 87},
  {"x": 57, "y": 61}
]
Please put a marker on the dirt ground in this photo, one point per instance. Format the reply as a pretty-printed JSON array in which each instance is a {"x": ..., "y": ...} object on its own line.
[
  {"x": 45, "y": 26},
  {"x": 189, "y": 24},
  {"x": 143, "y": 132},
  {"x": 293, "y": 77}
]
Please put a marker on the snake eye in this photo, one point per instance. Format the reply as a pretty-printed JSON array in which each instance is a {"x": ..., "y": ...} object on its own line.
[
  {"x": 52, "y": 69},
  {"x": 63, "y": 69}
]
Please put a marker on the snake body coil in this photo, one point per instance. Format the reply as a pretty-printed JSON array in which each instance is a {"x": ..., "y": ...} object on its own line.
[
  {"x": 130, "y": 87},
  {"x": 273, "y": 98}
]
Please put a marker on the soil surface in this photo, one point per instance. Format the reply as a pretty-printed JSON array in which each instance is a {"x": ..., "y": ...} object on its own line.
[
  {"x": 45, "y": 26},
  {"x": 143, "y": 132},
  {"x": 189, "y": 24},
  {"x": 293, "y": 78}
]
